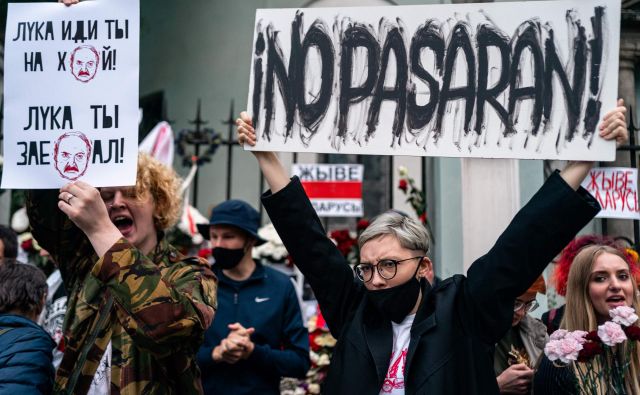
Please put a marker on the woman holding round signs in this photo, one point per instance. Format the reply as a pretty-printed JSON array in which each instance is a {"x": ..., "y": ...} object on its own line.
[{"x": 396, "y": 334}]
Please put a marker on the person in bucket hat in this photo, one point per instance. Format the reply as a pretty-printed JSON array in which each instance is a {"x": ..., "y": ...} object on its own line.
[{"x": 257, "y": 336}]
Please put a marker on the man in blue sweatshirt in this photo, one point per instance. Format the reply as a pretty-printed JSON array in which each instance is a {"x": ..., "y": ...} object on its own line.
[{"x": 257, "y": 336}]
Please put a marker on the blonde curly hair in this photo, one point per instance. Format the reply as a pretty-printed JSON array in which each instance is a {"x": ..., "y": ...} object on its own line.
[{"x": 163, "y": 184}]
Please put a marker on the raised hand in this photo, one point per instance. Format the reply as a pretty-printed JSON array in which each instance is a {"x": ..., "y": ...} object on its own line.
[
  {"x": 614, "y": 125},
  {"x": 83, "y": 205}
]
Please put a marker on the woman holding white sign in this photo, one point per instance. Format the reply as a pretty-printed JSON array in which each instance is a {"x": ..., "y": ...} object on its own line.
[
  {"x": 137, "y": 308},
  {"x": 396, "y": 334}
]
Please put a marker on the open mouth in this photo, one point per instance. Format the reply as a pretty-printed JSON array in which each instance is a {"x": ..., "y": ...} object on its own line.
[
  {"x": 616, "y": 300},
  {"x": 123, "y": 223}
]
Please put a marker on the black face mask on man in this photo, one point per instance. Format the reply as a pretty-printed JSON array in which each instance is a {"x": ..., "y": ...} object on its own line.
[
  {"x": 226, "y": 258},
  {"x": 395, "y": 303}
]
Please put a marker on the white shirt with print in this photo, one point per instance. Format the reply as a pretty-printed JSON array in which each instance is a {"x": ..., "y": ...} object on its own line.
[{"x": 394, "y": 381}]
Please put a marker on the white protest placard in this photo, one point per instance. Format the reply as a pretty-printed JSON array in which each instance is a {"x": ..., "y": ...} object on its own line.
[
  {"x": 616, "y": 189},
  {"x": 335, "y": 190},
  {"x": 71, "y": 94},
  {"x": 498, "y": 80}
]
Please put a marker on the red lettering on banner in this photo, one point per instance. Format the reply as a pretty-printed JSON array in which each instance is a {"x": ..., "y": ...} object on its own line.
[
  {"x": 333, "y": 190},
  {"x": 593, "y": 181},
  {"x": 615, "y": 190}
]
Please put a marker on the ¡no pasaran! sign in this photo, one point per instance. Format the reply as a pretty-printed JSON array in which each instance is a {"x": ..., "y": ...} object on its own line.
[{"x": 527, "y": 80}]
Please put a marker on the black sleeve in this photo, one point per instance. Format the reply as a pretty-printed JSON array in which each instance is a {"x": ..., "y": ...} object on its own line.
[
  {"x": 537, "y": 233},
  {"x": 69, "y": 248},
  {"x": 322, "y": 264},
  {"x": 553, "y": 380}
]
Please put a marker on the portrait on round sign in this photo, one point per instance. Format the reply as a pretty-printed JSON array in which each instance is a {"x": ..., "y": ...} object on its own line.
[
  {"x": 71, "y": 153},
  {"x": 84, "y": 63}
]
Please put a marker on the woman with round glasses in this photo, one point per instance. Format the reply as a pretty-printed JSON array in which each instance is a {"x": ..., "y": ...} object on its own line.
[
  {"x": 396, "y": 335},
  {"x": 519, "y": 349}
]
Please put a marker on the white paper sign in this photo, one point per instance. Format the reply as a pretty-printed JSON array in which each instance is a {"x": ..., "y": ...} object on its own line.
[
  {"x": 616, "y": 189},
  {"x": 335, "y": 190},
  {"x": 71, "y": 94},
  {"x": 499, "y": 80}
]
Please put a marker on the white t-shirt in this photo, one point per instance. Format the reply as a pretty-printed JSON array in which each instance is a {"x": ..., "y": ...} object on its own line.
[
  {"x": 101, "y": 384},
  {"x": 394, "y": 382}
]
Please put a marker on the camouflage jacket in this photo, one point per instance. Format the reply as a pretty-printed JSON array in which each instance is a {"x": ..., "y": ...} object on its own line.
[{"x": 153, "y": 309}]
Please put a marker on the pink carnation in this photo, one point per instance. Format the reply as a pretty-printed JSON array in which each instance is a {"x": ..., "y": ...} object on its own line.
[
  {"x": 578, "y": 336},
  {"x": 566, "y": 350},
  {"x": 559, "y": 334},
  {"x": 562, "y": 334},
  {"x": 623, "y": 315},
  {"x": 611, "y": 333}
]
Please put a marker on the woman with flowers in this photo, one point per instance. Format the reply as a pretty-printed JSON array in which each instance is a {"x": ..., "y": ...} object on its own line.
[{"x": 595, "y": 351}]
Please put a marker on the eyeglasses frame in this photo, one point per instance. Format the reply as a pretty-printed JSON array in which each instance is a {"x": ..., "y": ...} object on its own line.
[{"x": 377, "y": 266}]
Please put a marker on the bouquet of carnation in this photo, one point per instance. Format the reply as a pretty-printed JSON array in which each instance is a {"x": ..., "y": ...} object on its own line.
[{"x": 603, "y": 358}]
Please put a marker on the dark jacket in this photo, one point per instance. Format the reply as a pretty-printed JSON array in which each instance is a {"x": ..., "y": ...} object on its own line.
[
  {"x": 267, "y": 302},
  {"x": 26, "y": 359},
  {"x": 553, "y": 318},
  {"x": 550, "y": 379},
  {"x": 458, "y": 321}
]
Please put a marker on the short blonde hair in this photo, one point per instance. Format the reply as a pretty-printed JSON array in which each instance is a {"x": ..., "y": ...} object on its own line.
[{"x": 163, "y": 184}]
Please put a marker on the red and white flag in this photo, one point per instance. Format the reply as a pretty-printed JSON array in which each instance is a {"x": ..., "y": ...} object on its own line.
[{"x": 335, "y": 190}]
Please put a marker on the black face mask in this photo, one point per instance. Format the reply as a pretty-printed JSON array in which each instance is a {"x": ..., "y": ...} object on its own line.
[
  {"x": 226, "y": 258},
  {"x": 395, "y": 303}
]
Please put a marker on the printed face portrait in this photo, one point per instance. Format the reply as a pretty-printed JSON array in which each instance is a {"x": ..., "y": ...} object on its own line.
[
  {"x": 71, "y": 154},
  {"x": 84, "y": 63}
]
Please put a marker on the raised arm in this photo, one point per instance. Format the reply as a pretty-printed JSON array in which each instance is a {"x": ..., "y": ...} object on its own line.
[
  {"x": 613, "y": 126},
  {"x": 297, "y": 223},
  {"x": 536, "y": 234},
  {"x": 271, "y": 167}
]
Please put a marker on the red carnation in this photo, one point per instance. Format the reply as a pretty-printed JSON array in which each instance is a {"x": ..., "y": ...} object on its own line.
[
  {"x": 403, "y": 185},
  {"x": 340, "y": 235},
  {"x": 632, "y": 332},
  {"x": 423, "y": 218},
  {"x": 346, "y": 246},
  {"x": 290, "y": 262},
  {"x": 27, "y": 245},
  {"x": 204, "y": 253},
  {"x": 592, "y": 336},
  {"x": 362, "y": 224},
  {"x": 312, "y": 341},
  {"x": 589, "y": 350}
]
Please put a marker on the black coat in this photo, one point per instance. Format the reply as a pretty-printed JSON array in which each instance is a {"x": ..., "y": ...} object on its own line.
[{"x": 458, "y": 321}]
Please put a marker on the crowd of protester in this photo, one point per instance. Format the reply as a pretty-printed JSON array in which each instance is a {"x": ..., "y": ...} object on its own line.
[{"x": 126, "y": 312}]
